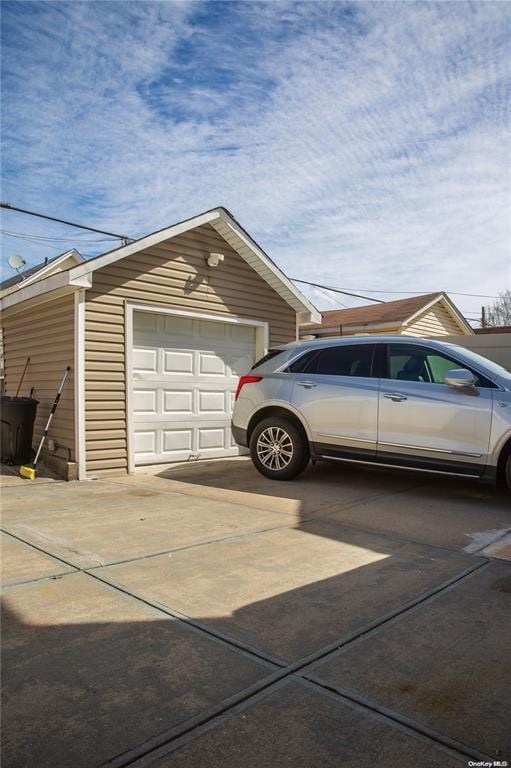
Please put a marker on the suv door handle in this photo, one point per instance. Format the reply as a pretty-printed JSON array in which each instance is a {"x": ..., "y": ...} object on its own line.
[
  {"x": 396, "y": 397},
  {"x": 306, "y": 384}
]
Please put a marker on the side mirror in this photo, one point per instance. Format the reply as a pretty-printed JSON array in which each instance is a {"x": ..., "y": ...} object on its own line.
[{"x": 460, "y": 378}]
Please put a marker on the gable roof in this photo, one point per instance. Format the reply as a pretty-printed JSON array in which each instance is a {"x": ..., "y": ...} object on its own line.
[
  {"x": 231, "y": 231},
  {"x": 386, "y": 313},
  {"x": 40, "y": 270}
]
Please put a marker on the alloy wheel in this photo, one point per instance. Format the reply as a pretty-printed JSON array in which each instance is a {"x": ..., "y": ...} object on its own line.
[{"x": 274, "y": 448}]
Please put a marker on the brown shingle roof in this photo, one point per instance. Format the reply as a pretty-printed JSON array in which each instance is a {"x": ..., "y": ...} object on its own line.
[{"x": 387, "y": 312}]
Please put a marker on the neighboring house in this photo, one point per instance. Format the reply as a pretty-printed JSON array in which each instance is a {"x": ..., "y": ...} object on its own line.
[
  {"x": 430, "y": 315},
  {"x": 44, "y": 269},
  {"x": 157, "y": 333}
]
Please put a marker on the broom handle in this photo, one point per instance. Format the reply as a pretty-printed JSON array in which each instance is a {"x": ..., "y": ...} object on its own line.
[
  {"x": 22, "y": 377},
  {"x": 53, "y": 409}
]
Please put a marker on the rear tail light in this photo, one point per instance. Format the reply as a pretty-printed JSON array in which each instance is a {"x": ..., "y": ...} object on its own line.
[{"x": 246, "y": 380}]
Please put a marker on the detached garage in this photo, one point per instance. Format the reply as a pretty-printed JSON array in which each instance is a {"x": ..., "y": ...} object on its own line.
[{"x": 157, "y": 333}]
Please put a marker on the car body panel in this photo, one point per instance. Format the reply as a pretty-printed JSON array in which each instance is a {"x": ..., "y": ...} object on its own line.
[
  {"x": 339, "y": 410},
  {"x": 434, "y": 421}
]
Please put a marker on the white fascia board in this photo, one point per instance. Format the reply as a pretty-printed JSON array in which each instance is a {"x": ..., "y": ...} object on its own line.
[
  {"x": 72, "y": 254},
  {"x": 144, "y": 242},
  {"x": 39, "y": 275},
  {"x": 453, "y": 311},
  {"x": 60, "y": 282},
  {"x": 272, "y": 274},
  {"x": 218, "y": 216},
  {"x": 378, "y": 327}
]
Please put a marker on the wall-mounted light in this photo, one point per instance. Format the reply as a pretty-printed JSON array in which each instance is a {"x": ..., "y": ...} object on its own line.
[{"x": 214, "y": 259}]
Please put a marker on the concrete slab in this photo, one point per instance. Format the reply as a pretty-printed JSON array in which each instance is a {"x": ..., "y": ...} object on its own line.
[
  {"x": 30, "y": 498},
  {"x": 321, "y": 486},
  {"x": 290, "y": 592},
  {"x": 447, "y": 664},
  {"x": 442, "y": 512},
  {"x": 89, "y": 673},
  {"x": 130, "y": 522},
  {"x": 295, "y": 725},
  {"x": 433, "y": 510},
  {"x": 21, "y": 563},
  {"x": 10, "y": 477},
  {"x": 501, "y": 548}
]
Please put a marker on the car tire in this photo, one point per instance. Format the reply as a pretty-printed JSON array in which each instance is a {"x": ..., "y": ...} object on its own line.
[
  {"x": 279, "y": 449},
  {"x": 507, "y": 472}
]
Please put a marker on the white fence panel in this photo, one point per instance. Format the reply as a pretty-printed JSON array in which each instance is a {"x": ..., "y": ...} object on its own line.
[{"x": 494, "y": 346}]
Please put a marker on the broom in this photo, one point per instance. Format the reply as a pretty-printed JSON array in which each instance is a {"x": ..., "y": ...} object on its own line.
[{"x": 29, "y": 470}]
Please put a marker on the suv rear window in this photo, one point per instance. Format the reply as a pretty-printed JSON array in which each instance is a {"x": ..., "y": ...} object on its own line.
[
  {"x": 345, "y": 360},
  {"x": 268, "y": 356}
]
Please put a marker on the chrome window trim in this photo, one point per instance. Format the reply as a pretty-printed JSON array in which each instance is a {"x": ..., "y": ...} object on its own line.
[
  {"x": 348, "y": 437},
  {"x": 432, "y": 450}
]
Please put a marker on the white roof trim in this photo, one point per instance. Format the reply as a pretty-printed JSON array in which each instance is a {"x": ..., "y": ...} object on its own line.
[
  {"x": 451, "y": 308},
  {"x": 39, "y": 275},
  {"x": 237, "y": 238},
  {"x": 243, "y": 244},
  {"x": 61, "y": 282},
  {"x": 314, "y": 331},
  {"x": 145, "y": 242},
  {"x": 232, "y": 233}
]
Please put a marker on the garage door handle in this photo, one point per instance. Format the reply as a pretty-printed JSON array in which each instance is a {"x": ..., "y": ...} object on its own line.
[
  {"x": 397, "y": 397},
  {"x": 306, "y": 384}
]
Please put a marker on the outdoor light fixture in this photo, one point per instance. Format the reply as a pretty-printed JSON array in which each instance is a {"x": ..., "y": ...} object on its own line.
[{"x": 214, "y": 259}]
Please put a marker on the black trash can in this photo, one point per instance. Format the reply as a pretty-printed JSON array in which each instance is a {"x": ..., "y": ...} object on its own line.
[{"x": 17, "y": 418}]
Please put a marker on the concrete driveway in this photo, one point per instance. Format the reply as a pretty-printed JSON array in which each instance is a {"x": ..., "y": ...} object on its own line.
[{"x": 206, "y": 616}]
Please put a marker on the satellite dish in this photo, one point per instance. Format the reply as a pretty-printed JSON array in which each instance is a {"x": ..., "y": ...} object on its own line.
[{"x": 16, "y": 261}]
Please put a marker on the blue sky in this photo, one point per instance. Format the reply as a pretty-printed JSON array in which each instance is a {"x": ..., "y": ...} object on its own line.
[{"x": 363, "y": 145}]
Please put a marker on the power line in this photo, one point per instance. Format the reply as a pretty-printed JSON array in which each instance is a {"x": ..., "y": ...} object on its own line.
[
  {"x": 337, "y": 290},
  {"x": 454, "y": 293},
  {"x": 10, "y": 207},
  {"x": 41, "y": 239},
  {"x": 44, "y": 238},
  {"x": 404, "y": 293}
]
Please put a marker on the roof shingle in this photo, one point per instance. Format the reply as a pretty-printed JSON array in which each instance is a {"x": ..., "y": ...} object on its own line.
[{"x": 387, "y": 312}]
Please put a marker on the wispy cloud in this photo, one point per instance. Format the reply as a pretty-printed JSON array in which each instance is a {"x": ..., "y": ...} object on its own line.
[{"x": 364, "y": 145}]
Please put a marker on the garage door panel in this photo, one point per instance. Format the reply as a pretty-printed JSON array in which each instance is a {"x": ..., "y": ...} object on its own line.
[
  {"x": 145, "y": 360},
  {"x": 211, "y": 437},
  {"x": 211, "y": 402},
  {"x": 177, "y": 326},
  {"x": 211, "y": 364},
  {"x": 144, "y": 401},
  {"x": 178, "y": 401},
  {"x": 145, "y": 441},
  {"x": 240, "y": 363},
  {"x": 177, "y": 440},
  {"x": 242, "y": 333},
  {"x": 185, "y": 375},
  {"x": 178, "y": 362},
  {"x": 213, "y": 330}
]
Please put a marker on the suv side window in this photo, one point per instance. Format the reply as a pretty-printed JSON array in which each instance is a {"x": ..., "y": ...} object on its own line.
[
  {"x": 408, "y": 362},
  {"x": 344, "y": 360},
  {"x": 301, "y": 365}
]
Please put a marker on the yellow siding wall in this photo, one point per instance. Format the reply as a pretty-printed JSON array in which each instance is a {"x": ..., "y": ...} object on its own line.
[
  {"x": 436, "y": 321},
  {"x": 172, "y": 274},
  {"x": 45, "y": 333}
]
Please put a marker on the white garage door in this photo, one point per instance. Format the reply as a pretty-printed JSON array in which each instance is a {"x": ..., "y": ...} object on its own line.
[{"x": 185, "y": 373}]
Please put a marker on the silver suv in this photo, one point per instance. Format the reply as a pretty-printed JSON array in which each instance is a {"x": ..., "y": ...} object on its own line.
[{"x": 394, "y": 401}]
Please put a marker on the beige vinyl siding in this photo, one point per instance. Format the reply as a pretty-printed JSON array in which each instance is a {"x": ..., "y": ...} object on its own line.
[
  {"x": 45, "y": 333},
  {"x": 171, "y": 274},
  {"x": 436, "y": 321}
]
